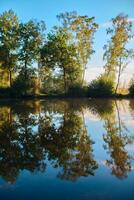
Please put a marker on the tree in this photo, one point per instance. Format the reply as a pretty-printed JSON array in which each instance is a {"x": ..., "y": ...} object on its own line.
[
  {"x": 31, "y": 40},
  {"x": 116, "y": 54},
  {"x": 82, "y": 29},
  {"x": 57, "y": 53},
  {"x": 24, "y": 84},
  {"x": 9, "y": 42}
]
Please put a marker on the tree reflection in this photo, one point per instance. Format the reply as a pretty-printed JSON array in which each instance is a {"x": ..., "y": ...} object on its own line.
[
  {"x": 31, "y": 132},
  {"x": 68, "y": 146},
  {"x": 81, "y": 162},
  {"x": 9, "y": 152},
  {"x": 131, "y": 107},
  {"x": 120, "y": 161},
  {"x": 116, "y": 138},
  {"x": 19, "y": 148}
]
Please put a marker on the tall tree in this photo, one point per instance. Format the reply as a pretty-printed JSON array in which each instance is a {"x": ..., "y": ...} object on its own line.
[
  {"x": 31, "y": 39},
  {"x": 9, "y": 42},
  {"x": 82, "y": 29},
  {"x": 117, "y": 55},
  {"x": 58, "y": 53}
]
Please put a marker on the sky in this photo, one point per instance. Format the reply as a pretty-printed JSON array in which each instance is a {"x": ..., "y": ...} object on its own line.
[{"x": 102, "y": 10}]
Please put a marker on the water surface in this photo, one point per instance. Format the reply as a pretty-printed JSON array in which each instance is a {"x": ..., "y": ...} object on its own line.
[{"x": 67, "y": 149}]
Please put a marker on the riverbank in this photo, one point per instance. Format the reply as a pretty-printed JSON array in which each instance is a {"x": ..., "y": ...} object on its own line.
[{"x": 118, "y": 96}]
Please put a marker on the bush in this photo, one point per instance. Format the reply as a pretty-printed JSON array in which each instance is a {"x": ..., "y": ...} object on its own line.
[
  {"x": 131, "y": 88},
  {"x": 101, "y": 87},
  {"x": 23, "y": 86},
  {"x": 77, "y": 90}
]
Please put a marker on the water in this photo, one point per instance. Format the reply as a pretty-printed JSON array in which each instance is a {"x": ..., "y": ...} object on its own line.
[{"x": 67, "y": 150}]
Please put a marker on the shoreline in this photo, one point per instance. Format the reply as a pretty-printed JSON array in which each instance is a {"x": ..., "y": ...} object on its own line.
[{"x": 43, "y": 97}]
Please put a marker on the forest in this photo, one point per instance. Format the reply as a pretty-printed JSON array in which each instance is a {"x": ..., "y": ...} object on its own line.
[{"x": 35, "y": 62}]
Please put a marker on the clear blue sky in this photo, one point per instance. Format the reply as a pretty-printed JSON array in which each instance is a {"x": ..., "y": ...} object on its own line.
[
  {"x": 46, "y": 10},
  {"x": 103, "y": 10}
]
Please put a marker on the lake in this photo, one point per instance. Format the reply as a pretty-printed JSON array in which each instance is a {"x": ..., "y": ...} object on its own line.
[{"x": 67, "y": 149}]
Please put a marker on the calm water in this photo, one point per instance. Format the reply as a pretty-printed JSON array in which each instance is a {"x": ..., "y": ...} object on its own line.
[{"x": 67, "y": 150}]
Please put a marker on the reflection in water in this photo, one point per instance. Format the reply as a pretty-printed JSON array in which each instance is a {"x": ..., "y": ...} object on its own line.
[
  {"x": 32, "y": 132},
  {"x": 116, "y": 137},
  {"x": 56, "y": 131},
  {"x": 19, "y": 147}
]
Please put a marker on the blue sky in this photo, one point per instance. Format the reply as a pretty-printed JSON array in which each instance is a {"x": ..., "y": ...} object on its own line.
[{"x": 103, "y": 10}]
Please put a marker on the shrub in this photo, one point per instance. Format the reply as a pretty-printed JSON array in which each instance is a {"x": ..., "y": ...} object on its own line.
[
  {"x": 101, "y": 87},
  {"x": 23, "y": 86},
  {"x": 131, "y": 87},
  {"x": 77, "y": 90}
]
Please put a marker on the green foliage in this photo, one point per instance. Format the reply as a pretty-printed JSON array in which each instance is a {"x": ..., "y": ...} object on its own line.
[
  {"x": 131, "y": 88},
  {"x": 20, "y": 45},
  {"x": 24, "y": 85},
  {"x": 101, "y": 87},
  {"x": 62, "y": 58},
  {"x": 58, "y": 54},
  {"x": 31, "y": 39},
  {"x": 77, "y": 90},
  {"x": 9, "y": 42},
  {"x": 81, "y": 30}
]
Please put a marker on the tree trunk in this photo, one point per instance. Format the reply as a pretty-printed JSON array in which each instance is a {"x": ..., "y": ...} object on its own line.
[
  {"x": 118, "y": 80},
  {"x": 39, "y": 78},
  {"x": 83, "y": 74}
]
